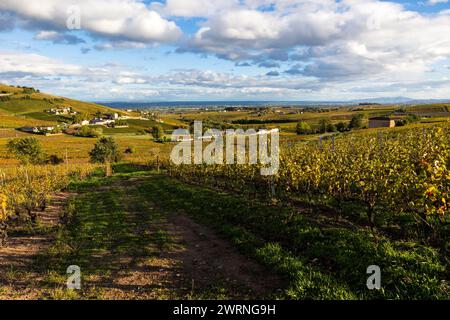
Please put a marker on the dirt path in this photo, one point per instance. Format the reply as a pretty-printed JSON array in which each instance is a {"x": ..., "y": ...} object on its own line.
[
  {"x": 208, "y": 260},
  {"x": 175, "y": 257},
  {"x": 128, "y": 247},
  {"x": 17, "y": 277}
]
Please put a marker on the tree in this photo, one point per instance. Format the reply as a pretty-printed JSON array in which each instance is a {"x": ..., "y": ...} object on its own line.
[
  {"x": 79, "y": 117},
  {"x": 157, "y": 132},
  {"x": 27, "y": 150},
  {"x": 105, "y": 150},
  {"x": 331, "y": 127},
  {"x": 356, "y": 121},
  {"x": 323, "y": 125},
  {"x": 303, "y": 128},
  {"x": 341, "y": 126},
  {"x": 54, "y": 159},
  {"x": 89, "y": 132},
  {"x": 401, "y": 122},
  {"x": 130, "y": 150}
]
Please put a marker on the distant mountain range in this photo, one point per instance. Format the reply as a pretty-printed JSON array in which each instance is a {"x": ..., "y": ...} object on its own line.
[
  {"x": 206, "y": 104},
  {"x": 401, "y": 100}
]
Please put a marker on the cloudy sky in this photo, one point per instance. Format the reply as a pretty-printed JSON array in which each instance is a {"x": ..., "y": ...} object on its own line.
[{"x": 227, "y": 49}]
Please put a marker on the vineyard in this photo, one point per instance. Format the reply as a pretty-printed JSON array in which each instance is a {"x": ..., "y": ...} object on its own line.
[
  {"x": 26, "y": 190},
  {"x": 404, "y": 173},
  {"x": 342, "y": 204}
]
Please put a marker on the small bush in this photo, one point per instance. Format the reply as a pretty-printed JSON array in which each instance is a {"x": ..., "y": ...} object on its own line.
[
  {"x": 130, "y": 150},
  {"x": 89, "y": 132},
  {"x": 54, "y": 159}
]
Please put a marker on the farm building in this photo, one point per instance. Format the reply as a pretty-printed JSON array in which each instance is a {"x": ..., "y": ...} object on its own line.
[
  {"x": 381, "y": 122},
  {"x": 102, "y": 122},
  {"x": 112, "y": 116},
  {"x": 61, "y": 110}
]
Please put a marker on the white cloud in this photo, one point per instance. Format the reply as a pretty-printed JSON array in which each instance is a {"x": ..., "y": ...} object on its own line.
[
  {"x": 126, "y": 20},
  {"x": 57, "y": 37},
  {"x": 334, "y": 39},
  {"x": 317, "y": 47},
  {"x": 194, "y": 8},
  {"x": 28, "y": 64},
  {"x": 434, "y": 2}
]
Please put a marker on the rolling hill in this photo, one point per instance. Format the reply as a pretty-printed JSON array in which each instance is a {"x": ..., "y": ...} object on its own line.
[{"x": 21, "y": 106}]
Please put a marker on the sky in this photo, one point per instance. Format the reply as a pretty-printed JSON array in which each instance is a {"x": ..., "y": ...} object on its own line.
[{"x": 192, "y": 50}]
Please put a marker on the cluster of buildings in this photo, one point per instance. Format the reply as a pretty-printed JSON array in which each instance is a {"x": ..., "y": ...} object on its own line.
[
  {"x": 45, "y": 130},
  {"x": 211, "y": 136},
  {"x": 100, "y": 121},
  {"x": 62, "y": 111}
]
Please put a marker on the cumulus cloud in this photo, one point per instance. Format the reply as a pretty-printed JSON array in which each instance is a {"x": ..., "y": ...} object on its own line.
[
  {"x": 6, "y": 21},
  {"x": 333, "y": 39},
  {"x": 123, "y": 20},
  {"x": 28, "y": 64},
  {"x": 58, "y": 38},
  {"x": 273, "y": 73},
  {"x": 269, "y": 64},
  {"x": 434, "y": 2},
  {"x": 116, "y": 81},
  {"x": 322, "y": 46},
  {"x": 194, "y": 8}
]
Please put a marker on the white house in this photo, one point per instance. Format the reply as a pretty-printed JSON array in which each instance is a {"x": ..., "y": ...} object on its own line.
[
  {"x": 61, "y": 110},
  {"x": 102, "y": 122},
  {"x": 113, "y": 116},
  {"x": 42, "y": 129}
]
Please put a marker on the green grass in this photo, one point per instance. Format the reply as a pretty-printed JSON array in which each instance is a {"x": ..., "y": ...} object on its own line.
[
  {"x": 48, "y": 117},
  {"x": 124, "y": 216},
  {"x": 21, "y": 106},
  {"x": 322, "y": 262},
  {"x": 109, "y": 221}
]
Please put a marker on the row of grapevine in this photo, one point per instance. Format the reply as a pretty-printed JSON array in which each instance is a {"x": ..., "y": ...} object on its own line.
[
  {"x": 401, "y": 170},
  {"x": 27, "y": 189}
]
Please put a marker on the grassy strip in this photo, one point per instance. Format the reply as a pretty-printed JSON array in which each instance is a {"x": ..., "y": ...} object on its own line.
[
  {"x": 104, "y": 225},
  {"x": 321, "y": 262}
]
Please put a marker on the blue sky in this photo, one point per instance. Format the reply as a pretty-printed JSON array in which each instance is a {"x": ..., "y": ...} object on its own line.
[{"x": 229, "y": 49}]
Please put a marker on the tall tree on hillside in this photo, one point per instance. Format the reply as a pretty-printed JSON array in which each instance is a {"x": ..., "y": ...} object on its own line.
[
  {"x": 27, "y": 150},
  {"x": 356, "y": 122},
  {"x": 341, "y": 126},
  {"x": 323, "y": 125},
  {"x": 105, "y": 151},
  {"x": 157, "y": 132}
]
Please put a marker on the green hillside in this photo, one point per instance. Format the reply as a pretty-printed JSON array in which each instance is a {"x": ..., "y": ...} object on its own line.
[
  {"x": 30, "y": 104},
  {"x": 23, "y": 106}
]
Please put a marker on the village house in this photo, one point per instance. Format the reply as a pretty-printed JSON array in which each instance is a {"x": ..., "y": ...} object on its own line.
[
  {"x": 62, "y": 110},
  {"x": 113, "y": 116},
  {"x": 381, "y": 122},
  {"x": 102, "y": 122},
  {"x": 43, "y": 129}
]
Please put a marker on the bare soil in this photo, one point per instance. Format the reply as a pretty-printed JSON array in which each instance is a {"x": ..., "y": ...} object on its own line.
[
  {"x": 18, "y": 280},
  {"x": 196, "y": 264}
]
